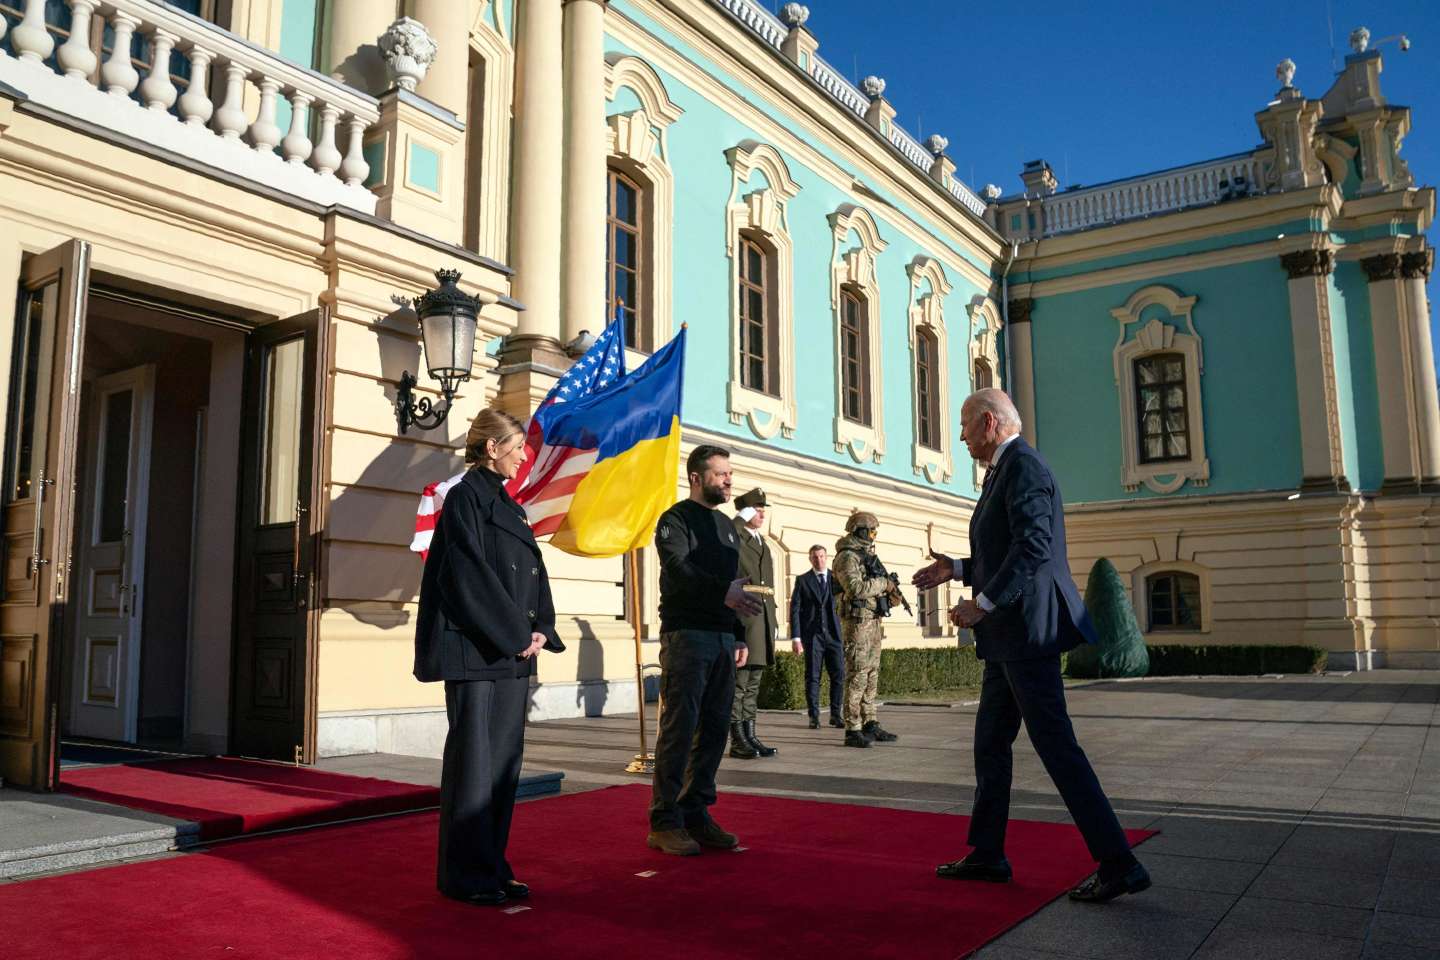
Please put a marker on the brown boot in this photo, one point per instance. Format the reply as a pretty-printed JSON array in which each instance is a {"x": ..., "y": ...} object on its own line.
[
  {"x": 676, "y": 842},
  {"x": 711, "y": 834}
]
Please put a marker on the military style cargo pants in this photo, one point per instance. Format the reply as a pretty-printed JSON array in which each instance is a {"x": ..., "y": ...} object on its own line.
[{"x": 861, "y": 639}]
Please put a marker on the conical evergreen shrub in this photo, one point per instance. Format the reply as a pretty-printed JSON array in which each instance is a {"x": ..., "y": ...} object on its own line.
[{"x": 1121, "y": 651}]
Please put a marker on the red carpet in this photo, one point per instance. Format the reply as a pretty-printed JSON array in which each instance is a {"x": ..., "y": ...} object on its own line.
[
  {"x": 818, "y": 880},
  {"x": 229, "y": 796}
]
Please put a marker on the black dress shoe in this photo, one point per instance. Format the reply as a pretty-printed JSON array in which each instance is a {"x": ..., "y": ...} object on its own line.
[
  {"x": 988, "y": 871},
  {"x": 485, "y": 898},
  {"x": 1095, "y": 890},
  {"x": 837, "y": 722},
  {"x": 814, "y": 723},
  {"x": 516, "y": 890}
]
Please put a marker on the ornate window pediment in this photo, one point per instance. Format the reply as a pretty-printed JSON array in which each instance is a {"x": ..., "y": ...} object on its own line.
[
  {"x": 985, "y": 328},
  {"x": 1173, "y": 422},
  {"x": 755, "y": 219},
  {"x": 853, "y": 270}
]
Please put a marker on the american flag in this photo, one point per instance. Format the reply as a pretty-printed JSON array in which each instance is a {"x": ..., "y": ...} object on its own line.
[{"x": 549, "y": 475}]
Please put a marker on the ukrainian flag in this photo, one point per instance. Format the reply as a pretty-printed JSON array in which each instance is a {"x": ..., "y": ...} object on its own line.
[{"x": 628, "y": 438}]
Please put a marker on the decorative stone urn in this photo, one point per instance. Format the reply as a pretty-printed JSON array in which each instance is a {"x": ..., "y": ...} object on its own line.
[
  {"x": 408, "y": 50},
  {"x": 794, "y": 14},
  {"x": 873, "y": 86},
  {"x": 1359, "y": 39},
  {"x": 936, "y": 144},
  {"x": 991, "y": 192},
  {"x": 1285, "y": 73}
]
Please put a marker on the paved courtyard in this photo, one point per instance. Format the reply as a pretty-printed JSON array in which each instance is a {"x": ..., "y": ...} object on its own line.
[{"x": 1299, "y": 816}]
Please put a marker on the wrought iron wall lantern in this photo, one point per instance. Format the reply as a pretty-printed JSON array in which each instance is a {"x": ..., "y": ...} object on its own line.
[{"x": 448, "y": 317}]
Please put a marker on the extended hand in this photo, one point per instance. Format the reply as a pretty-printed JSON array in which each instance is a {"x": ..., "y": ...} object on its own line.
[
  {"x": 966, "y": 614},
  {"x": 941, "y": 571},
  {"x": 537, "y": 640},
  {"x": 741, "y": 602}
]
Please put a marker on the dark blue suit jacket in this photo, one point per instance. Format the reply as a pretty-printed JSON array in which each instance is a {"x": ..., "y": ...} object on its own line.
[
  {"x": 808, "y": 609},
  {"x": 1018, "y": 560}
]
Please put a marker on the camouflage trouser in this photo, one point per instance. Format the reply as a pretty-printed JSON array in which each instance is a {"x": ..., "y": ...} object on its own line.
[{"x": 862, "y": 670}]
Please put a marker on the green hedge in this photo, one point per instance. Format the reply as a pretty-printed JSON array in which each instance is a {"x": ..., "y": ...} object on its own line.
[
  {"x": 913, "y": 669},
  {"x": 902, "y": 670},
  {"x": 1180, "y": 660}
]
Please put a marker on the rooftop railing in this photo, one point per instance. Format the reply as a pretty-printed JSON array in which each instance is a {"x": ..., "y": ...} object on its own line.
[{"x": 181, "y": 84}]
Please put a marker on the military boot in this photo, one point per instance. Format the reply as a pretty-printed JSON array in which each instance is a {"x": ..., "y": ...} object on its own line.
[
  {"x": 740, "y": 747},
  {"x": 856, "y": 738},
  {"x": 874, "y": 731},
  {"x": 748, "y": 727}
]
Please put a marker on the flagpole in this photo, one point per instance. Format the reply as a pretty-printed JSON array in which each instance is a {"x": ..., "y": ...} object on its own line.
[{"x": 644, "y": 761}]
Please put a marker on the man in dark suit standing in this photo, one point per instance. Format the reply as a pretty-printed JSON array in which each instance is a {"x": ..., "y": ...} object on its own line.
[
  {"x": 815, "y": 631},
  {"x": 1026, "y": 612}
]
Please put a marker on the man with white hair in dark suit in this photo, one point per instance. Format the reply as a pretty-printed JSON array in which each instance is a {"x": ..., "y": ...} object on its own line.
[{"x": 1025, "y": 614}]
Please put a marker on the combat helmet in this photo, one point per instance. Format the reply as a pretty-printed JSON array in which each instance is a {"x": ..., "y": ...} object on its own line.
[{"x": 861, "y": 519}]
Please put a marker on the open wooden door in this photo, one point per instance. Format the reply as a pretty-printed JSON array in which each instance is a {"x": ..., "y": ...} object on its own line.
[
  {"x": 273, "y": 700},
  {"x": 38, "y": 500}
]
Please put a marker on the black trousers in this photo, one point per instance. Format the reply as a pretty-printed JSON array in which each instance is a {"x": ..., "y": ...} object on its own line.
[
  {"x": 697, "y": 684},
  {"x": 829, "y": 654},
  {"x": 1031, "y": 690},
  {"x": 481, "y": 772}
]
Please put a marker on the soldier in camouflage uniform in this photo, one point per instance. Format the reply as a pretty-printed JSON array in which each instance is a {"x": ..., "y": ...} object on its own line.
[{"x": 864, "y": 603}]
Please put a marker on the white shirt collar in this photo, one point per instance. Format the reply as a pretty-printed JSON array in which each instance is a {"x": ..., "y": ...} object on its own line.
[{"x": 1001, "y": 449}]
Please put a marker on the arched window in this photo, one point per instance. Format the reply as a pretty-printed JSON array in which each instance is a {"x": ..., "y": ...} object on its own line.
[
  {"x": 624, "y": 256},
  {"x": 984, "y": 378},
  {"x": 855, "y": 356},
  {"x": 1172, "y": 599},
  {"x": 758, "y": 354},
  {"x": 928, "y": 425},
  {"x": 1163, "y": 423}
]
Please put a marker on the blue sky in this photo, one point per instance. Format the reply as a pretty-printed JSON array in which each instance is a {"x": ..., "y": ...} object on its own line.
[{"x": 1105, "y": 89}]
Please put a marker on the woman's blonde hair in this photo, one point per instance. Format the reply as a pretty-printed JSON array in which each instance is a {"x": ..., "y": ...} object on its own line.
[{"x": 489, "y": 424}]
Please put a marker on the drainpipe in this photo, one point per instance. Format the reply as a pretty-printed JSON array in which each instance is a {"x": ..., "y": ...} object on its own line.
[{"x": 1005, "y": 306}]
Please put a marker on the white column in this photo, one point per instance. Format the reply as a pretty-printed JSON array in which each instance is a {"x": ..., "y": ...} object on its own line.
[
  {"x": 157, "y": 89},
  {"x": 297, "y": 144},
  {"x": 447, "y": 82},
  {"x": 1321, "y": 455},
  {"x": 30, "y": 39},
  {"x": 1393, "y": 369},
  {"x": 230, "y": 119},
  {"x": 195, "y": 105},
  {"x": 539, "y": 128},
  {"x": 583, "y": 265},
  {"x": 352, "y": 55},
  {"x": 119, "y": 74},
  {"x": 1415, "y": 270},
  {"x": 326, "y": 158},
  {"x": 75, "y": 56}
]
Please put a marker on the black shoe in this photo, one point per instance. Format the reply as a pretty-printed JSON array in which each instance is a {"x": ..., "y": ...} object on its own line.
[
  {"x": 837, "y": 722},
  {"x": 1095, "y": 890},
  {"x": 740, "y": 747},
  {"x": 987, "y": 870},
  {"x": 874, "y": 731},
  {"x": 485, "y": 898},
  {"x": 748, "y": 728},
  {"x": 516, "y": 890},
  {"x": 854, "y": 738},
  {"x": 814, "y": 723}
]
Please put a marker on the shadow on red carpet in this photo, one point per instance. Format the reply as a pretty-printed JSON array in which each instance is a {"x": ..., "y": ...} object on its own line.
[
  {"x": 816, "y": 880},
  {"x": 229, "y": 796}
]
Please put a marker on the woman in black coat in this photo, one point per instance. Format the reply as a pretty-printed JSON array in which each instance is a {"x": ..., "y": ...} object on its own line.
[{"x": 485, "y": 612}]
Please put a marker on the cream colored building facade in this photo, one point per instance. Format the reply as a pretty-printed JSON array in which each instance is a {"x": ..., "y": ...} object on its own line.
[{"x": 208, "y": 501}]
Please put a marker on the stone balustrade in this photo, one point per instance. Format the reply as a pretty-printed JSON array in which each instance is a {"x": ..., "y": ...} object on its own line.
[
  {"x": 225, "y": 114},
  {"x": 771, "y": 31},
  {"x": 1198, "y": 184}
]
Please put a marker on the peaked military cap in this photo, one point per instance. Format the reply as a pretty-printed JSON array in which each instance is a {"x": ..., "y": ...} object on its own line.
[{"x": 755, "y": 498}]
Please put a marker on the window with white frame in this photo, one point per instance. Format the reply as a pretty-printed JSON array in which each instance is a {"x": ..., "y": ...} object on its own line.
[
  {"x": 1158, "y": 363},
  {"x": 855, "y": 300},
  {"x": 761, "y": 391},
  {"x": 640, "y": 225},
  {"x": 984, "y": 355},
  {"x": 933, "y": 441}
]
